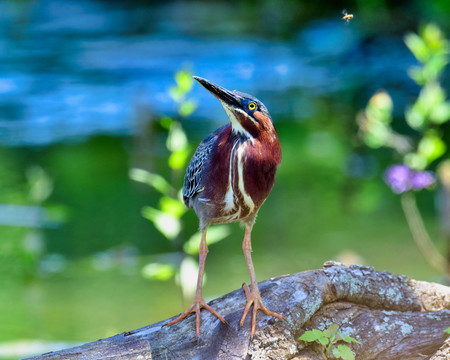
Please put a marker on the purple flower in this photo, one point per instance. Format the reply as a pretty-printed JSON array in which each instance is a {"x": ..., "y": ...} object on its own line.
[
  {"x": 398, "y": 178},
  {"x": 422, "y": 179},
  {"x": 401, "y": 178}
]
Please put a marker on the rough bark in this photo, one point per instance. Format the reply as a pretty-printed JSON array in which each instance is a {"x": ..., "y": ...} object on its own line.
[{"x": 391, "y": 316}]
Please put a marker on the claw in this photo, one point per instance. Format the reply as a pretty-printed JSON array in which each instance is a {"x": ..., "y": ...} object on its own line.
[
  {"x": 254, "y": 298},
  {"x": 197, "y": 305}
]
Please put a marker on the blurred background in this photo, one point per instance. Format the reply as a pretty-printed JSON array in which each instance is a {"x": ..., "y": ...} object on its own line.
[{"x": 98, "y": 118}]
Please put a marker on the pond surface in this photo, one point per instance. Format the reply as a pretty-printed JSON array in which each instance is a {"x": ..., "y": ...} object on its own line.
[{"x": 71, "y": 69}]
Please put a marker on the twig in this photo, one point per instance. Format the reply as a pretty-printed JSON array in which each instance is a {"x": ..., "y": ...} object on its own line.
[{"x": 420, "y": 234}]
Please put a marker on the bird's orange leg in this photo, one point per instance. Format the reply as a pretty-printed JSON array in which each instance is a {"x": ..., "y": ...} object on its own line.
[
  {"x": 253, "y": 296},
  {"x": 199, "y": 303}
]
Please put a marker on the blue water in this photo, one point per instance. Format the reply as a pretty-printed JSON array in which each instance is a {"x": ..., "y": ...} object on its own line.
[{"x": 71, "y": 69}]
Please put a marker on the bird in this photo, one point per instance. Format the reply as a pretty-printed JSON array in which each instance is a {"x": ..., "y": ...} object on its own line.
[{"x": 227, "y": 180}]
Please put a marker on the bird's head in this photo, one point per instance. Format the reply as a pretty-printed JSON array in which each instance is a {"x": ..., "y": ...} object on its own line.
[{"x": 249, "y": 117}]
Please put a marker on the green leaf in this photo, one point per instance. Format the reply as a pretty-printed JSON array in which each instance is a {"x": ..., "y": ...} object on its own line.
[
  {"x": 177, "y": 139},
  {"x": 434, "y": 38},
  {"x": 176, "y": 94},
  {"x": 178, "y": 144},
  {"x": 431, "y": 96},
  {"x": 214, "y": 235},
  {"x": 441, "y": 113},
  {"x": 430, "y": 71},
  {"x": 377, "y": 135},
  {"x": 172, "y": 206},
  {"x": 323, "y": 340},
  {"x": 187, "y": 108},
  {"x": 434, "y": 67},
  {"x": 187, "y": 278},
  {"x": 332, "y": 331},
  {"x": 431, "y": 48},
  {"x": 418, "y": 47},
  {"x": 348, "y": 339},
  {"x": 311, "y": 335},
  {"x": 414, "y": 118},
  {"x": 166, "y": 122},
  {"x": 184, "y": 81},
  {"x": 415, "y": 161},
  {"x": 157, "y": 271},
  {"x": 167, "y": 224},
  {"x": 447, "y": 331},
  {"x": 380, "y": 107},
  {"x": 40, "y": 183},
  {"x": 343, "y": 352},
  {"x": 431, "y": 146},
  {"x": 178, "y": 159},
  {"x": 418, "y": 74},
  {"x": 154, "y": 180},
  {"x": 376, "y": 120}
]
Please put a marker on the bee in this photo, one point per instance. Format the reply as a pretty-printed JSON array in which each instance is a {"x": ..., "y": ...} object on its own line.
[{"x": 347, "y": 17}]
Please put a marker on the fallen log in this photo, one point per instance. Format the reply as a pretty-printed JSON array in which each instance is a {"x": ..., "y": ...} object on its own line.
[{"x": 391, "y": 316}]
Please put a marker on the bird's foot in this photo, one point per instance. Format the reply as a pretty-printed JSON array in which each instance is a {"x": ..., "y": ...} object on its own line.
[
  {"x": 198, "y": 304},
  {"x": 254, "y": 298}
]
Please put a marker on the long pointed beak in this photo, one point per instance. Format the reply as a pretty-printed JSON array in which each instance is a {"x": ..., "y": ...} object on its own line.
[{"x": 223, "y": 95}]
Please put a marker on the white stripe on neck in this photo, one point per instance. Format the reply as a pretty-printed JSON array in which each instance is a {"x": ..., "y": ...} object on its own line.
[{"x": 236, "y": 126}]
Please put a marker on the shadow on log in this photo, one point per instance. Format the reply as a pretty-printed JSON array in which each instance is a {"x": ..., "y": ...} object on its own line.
[{"x": 391, "y": 316}]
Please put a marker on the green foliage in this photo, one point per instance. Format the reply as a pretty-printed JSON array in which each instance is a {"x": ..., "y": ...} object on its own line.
[
  {"x": 22, "y": 247},
  {"x": 315, "y": 335},
  {"x": 426, "y": 118},
  {"x": 375, "y": 125},
  {"x": 431, "y": 109},
  {"x": 156, "y": 181},
  {"x": 178, "y": 146},
  {"x": 329, "y": 339},
  {"x": 431, "y": 146},
  {"x": 167, "y": 216},
  {"x": 431, "y": 49},
  {"x": 426, "y": 115},
  {"x": 343, "y": 352},
  {"x": 166, "y": 223},
  {"x": 447, "y": 331},
  {"x": 40, "y": 184},
  {"x": 184, "y": 83},
  {"x": 215, "y": 234},
  {"x": 157, "y": 271}
]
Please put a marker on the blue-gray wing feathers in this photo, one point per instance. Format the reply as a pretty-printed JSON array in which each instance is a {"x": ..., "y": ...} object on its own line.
[{"x": 193, "y": 179}]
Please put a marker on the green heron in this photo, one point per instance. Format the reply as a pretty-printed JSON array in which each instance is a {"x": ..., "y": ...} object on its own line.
[{"x": 228, "y": 179}]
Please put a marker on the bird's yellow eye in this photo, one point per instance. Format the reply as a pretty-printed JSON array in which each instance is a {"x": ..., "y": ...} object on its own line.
[{"x": 251, "y": 106}]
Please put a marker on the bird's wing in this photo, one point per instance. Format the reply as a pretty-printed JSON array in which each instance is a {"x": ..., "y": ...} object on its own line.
[{"x": 192, "y": 180}]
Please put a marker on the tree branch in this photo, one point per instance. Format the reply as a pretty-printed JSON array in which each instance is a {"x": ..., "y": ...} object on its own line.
[{"x": 392, "y": 317}]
